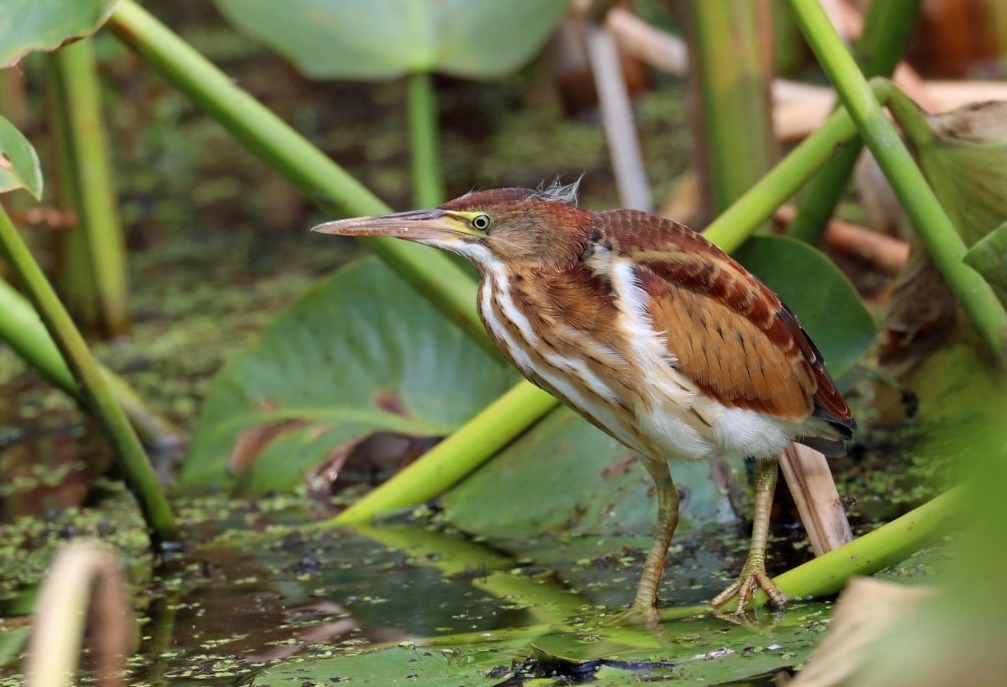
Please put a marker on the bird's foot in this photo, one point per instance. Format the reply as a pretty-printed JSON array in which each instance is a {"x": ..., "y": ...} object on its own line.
[
  {"x": 648, "y": 616},
  {"x": 753, "y": 576}
]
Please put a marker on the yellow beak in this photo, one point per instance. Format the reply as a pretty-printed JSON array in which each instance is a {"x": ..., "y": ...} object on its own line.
[{"x": 415, "y": 225}]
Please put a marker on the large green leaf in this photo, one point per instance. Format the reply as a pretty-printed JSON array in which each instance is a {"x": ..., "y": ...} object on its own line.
[
  {"x": 823, "y": 299},
  {"x": 963, "y": 154},
  {"x": 988, "y": 257},
  {"x": 564, "y": 474},
  {"x": 360, "y": 353},
  {"x": 384, "y": 39},
  {"x": 30, "y": 25},
  {"x": 19, "y": 166}
]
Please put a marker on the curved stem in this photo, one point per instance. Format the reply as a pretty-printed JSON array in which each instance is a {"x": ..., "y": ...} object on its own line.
[
  {"x": 887, "y": 28},
  {"x": 942, "y": 241},
  {"x": 85, "y": 575},
  {"x": 458, "y": 455},
  {"x": 431, "y": 272},
  {"x": 94, "y": 389}
]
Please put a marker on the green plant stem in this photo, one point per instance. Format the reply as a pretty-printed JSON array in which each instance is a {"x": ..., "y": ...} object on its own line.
[
  {"x": 24, "y": 332},
  {"x": 877, "y": 550},
  {"x": 928, "y": 217},
  {"x": 731, "y": 76},
  {"x": 428, "y": 270},
  {"x": 455, "y": 457},
  {"x": 891, "y": 543},
  {"x": 95, "y": 251},
  {"x": 733, "y": 226},
  {"x": 887, "y": 28},
  {"x": 428, "y": 181},
  {"x": 95, "y": 391}
]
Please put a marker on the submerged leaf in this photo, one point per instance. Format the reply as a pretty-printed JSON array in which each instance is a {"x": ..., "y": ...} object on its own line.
[{"x": 361, "y": 353}]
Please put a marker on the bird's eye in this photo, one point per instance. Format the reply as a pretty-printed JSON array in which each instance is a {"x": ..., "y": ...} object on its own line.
[{"x": 482, "y": 222}]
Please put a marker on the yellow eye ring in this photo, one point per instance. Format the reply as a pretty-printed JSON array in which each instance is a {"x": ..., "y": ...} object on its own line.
[{"x": 482, "y": 222}]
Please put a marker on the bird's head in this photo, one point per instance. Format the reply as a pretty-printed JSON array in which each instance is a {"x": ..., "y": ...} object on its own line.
[{"x": 511, "y": 226}]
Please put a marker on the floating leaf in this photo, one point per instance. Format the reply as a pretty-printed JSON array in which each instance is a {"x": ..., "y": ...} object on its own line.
[
  {"x": 361, "y": 353},
  {"x": 384, "y": 39},
  {"x": 823, "y": 299},
  {"x": 30, "y": 25},
  {"x": 19, "y": 165},
  {"x": 564, "y": 474}
]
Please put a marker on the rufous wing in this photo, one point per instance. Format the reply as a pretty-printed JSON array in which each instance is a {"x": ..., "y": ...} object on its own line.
[{"x": 728, "y": 331}]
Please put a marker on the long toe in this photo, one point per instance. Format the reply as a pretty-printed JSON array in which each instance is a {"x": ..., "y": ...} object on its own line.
[{"x": 752, "y": 577}]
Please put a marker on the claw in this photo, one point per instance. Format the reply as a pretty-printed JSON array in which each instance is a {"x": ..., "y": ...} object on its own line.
[{"x": 753, "y": 576}]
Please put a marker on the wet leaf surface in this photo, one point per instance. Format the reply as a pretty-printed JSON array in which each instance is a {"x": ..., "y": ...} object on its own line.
[{"x": 358, "y": 354}]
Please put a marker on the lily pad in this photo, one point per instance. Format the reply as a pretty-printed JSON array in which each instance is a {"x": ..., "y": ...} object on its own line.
[
  {"x": 359, "y": 354},
  {"x": 385, "y": 39},
  {"x": 19, "y": 165},
  {"x": 564, "y": 475},
  {"x": 824, "y": 301},
  {"x": 31, "y": 25}
]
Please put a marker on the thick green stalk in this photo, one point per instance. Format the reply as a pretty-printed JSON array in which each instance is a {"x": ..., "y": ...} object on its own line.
[
  {"x": 891, "y": 543},
  {"x": 24, "y": 332},
  {"x": 73, "y": 263},
  {"x": 424, "y": 144},
  {"x": 429, "y": 271},
  {"x": 887, "y": 28},
  {"x": 455, "y": 457},
  {"x": 733, "y": 226},
  {"x": 94, "y": 255},
  {"x": 939, "y": 236},
  {"x": 94, "y": 389},
  {"x": 731, "y": 76},
  {"x": 21, "y": 329}
]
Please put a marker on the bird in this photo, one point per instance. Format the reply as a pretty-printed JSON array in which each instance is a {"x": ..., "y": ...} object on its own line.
[{"x": 651, "y": 333}]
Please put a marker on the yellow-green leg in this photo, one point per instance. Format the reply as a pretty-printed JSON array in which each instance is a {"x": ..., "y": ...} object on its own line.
[
  {"x": 753, "y": 574},
  {"x": 667, "y": 520}
]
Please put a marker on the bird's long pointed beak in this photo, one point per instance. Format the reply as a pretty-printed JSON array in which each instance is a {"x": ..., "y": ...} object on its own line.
[{"x": 416, "y": 225}]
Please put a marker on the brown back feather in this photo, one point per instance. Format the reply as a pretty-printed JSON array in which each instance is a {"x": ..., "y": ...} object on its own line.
[{"x": 730, "y": 333}]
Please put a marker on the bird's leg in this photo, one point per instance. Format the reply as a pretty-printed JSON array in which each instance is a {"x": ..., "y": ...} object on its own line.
[
  {"x": 667, "y": 520},
  {"x": 753, "y": 574}
]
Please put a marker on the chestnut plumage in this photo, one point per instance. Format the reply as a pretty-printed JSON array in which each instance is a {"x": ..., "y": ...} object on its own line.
[{"x": 647, "y": 330}]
